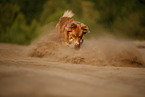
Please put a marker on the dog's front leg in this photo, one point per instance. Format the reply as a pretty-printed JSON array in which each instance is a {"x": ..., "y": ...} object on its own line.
[
  {"x": 81, "y": 41},
  {"x": 66, "y": 38}
]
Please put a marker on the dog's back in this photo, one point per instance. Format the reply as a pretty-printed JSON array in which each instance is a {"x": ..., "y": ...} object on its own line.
[{"x": 63, "y": 21}]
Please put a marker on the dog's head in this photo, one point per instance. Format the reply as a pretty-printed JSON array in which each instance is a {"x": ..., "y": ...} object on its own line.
[{"x": 76, "y": 32}]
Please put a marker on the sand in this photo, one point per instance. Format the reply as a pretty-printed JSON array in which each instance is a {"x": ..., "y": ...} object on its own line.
[{"x": 106, "y": 67}]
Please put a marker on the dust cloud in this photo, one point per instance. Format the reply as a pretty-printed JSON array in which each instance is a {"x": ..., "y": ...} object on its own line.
[{"x": 99, "y": 52}]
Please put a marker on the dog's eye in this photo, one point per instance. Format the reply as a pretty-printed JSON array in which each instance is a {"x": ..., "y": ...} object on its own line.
[
  {"x": 69, "y": 31},
  {"x": 84, "y": 32},
  {"x": 80, "y": 37},
  {"x": 73, "y": 35},
  {"x": 85, "y": 29}
]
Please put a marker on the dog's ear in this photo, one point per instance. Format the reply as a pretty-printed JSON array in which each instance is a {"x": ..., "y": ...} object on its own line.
[
  {"x": 85, "y": 28},
  {"x": 73, "y": 25},
  {"x": 68, "y": 28}
]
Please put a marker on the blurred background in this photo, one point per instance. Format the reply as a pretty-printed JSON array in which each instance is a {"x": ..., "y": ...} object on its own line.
[{"x": 21, "y": 21}]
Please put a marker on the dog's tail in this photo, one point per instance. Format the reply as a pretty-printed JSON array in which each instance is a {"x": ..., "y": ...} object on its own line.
[{"x": 68, "y": 13}]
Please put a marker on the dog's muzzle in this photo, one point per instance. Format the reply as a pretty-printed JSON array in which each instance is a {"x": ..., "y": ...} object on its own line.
[
  {"x": 70, "y": 41},
  {"x": 77, "y": 46},
  {"x": 77, "y": 43}
]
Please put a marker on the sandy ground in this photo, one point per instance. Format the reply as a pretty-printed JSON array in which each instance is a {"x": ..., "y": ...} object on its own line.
[{"x": 101, "y": 68}]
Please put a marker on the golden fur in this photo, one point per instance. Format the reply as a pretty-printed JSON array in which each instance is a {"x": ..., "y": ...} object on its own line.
[{"x": 71, "y": 31}]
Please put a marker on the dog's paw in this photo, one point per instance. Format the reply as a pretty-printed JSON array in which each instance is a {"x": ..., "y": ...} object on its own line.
[{"x": 66, "y": 44}]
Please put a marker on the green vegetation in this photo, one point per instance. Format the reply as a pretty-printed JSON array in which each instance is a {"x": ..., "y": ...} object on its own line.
[{"x": 21, "y": 20}]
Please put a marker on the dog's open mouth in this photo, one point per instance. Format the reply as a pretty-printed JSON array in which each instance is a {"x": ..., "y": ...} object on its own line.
[
  {"x": 77, "y": 47},
  {"x": 71, "y": 45}
]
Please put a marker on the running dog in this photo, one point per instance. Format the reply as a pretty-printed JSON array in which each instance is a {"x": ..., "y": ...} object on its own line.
[{"x": 72, "y": 32}]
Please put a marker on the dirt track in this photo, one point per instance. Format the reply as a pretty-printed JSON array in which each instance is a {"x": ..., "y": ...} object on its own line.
[{"x": 47, "y": 69}]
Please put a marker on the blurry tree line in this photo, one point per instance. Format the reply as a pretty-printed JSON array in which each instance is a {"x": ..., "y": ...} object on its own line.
[{"x": 21, "y": 20}]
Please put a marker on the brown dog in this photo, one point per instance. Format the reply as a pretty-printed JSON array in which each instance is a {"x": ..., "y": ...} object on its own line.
[{"x": 71, "y": 31}]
